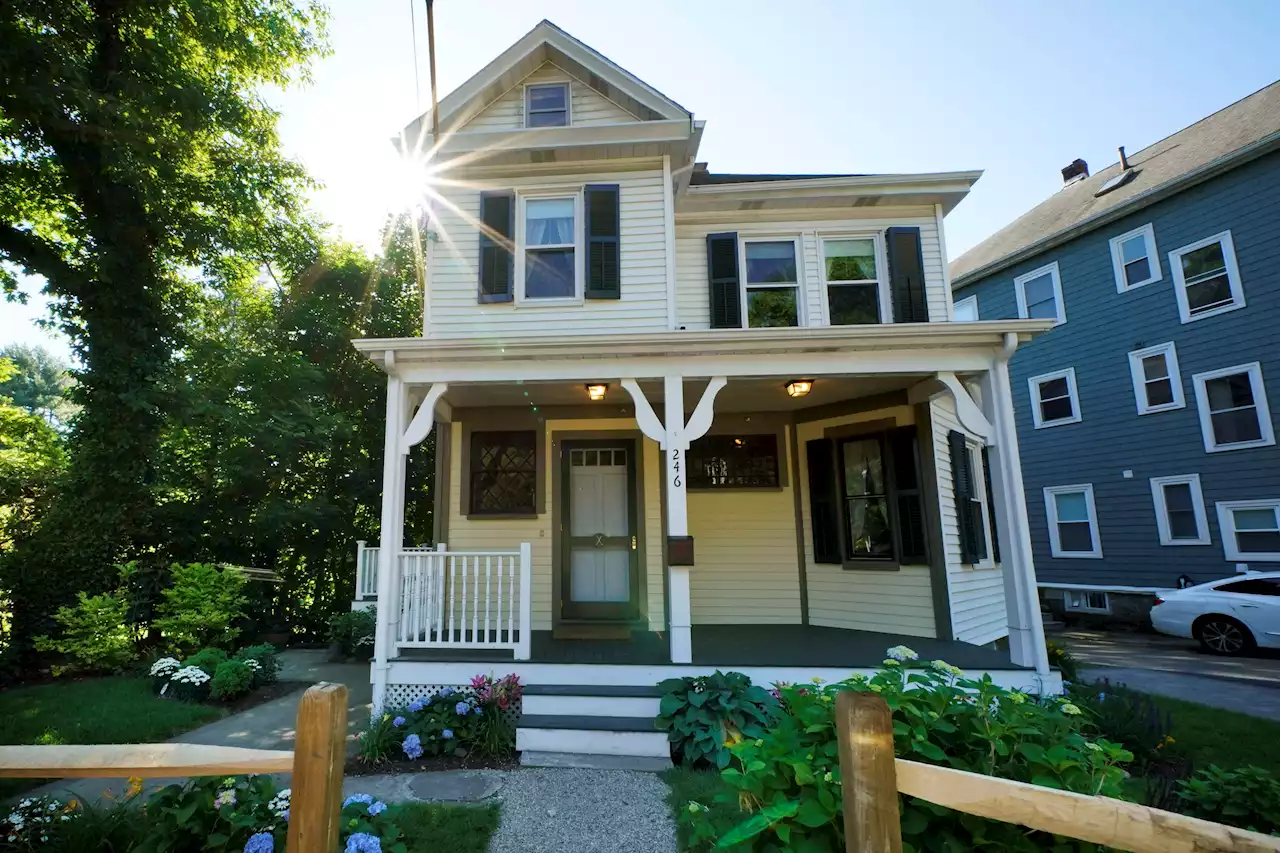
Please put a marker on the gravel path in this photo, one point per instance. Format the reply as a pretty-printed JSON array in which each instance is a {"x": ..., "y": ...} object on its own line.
[{"x": 557, "y": 810}]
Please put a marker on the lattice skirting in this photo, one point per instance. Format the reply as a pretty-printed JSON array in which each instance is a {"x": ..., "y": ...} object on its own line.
[{"x": 400, "y": 695}]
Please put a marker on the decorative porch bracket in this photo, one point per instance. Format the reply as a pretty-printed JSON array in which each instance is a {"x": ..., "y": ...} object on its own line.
[
  {"x": 674, "y": 438},
  {"x": 967, "y": 411},
  {"x": 424, "y": 419}
]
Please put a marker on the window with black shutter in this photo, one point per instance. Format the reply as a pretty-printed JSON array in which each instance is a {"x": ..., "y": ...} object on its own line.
[
  {"x": 734, "y": 462},
  {"x": 722, "y": 281},
  {"x": 824, "y": 515},
  {"x": 906, "y": 275},
  {"x": 970, "y": 498},
  {"x": 497, "y": 267},
  {"x": 503, "y": 473},
  {"x": 604, "y": 273},
  {"x": 991, "y": 504}
]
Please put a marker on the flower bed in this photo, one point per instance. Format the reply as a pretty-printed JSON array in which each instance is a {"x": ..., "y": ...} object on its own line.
[{"x": 213, "y": 674}]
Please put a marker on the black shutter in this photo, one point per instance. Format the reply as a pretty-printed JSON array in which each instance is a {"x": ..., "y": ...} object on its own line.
[
  {"x": 604, "y": 265},
  {"x": 906, "y": 276},
  {"x": 913, "y": 546},
  {"x": 962, "y": 480},
  {"x": 991, "y": 505},
  {"x": 824, "y": 506},
  {"x": 722, "y": 278},
  {"x": 497, "y": 267}
]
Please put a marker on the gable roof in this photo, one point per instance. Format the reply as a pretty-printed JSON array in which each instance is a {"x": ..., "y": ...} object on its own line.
[
  {"x": 548, "y": 43},
  {"x": 1247, "y": 129}
]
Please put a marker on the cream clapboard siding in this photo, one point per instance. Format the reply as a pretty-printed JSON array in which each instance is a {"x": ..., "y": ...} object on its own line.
[
  {"x": 978, "y": 612},
  {"x": 746, "y": 570},
  {"x": 692, "y": 303},
  {"x": 587, "y": 107},
  {"x": 454, "y": 266},
  {"x": 501, "y": 533},
  {"x": 896, "y": 602}
]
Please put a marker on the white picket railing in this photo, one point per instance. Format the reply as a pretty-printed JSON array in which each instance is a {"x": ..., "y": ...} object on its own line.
[
  {"x": 366, "y": 571},
  {"x": 464, "y": 599}
]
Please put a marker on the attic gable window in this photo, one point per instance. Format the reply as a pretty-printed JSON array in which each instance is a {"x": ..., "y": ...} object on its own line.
[{"x": 546, "y": 105}]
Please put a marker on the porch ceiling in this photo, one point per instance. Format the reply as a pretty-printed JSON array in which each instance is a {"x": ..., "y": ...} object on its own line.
[{"x": 767, "y": 394}]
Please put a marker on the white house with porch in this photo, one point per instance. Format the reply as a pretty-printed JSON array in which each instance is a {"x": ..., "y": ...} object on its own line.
[{"x": 684, "y": 420}]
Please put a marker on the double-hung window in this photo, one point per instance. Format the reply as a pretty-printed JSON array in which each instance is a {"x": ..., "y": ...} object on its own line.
[
  {"x": 1073, "y": 521},
  {"x": 551, "y": 262},
  {"x": 1039, "y": 294},
  {"x": 1250, "y": 530},
  {"x": 546, "y": 105},
  {"x": 1179, "y": 505},
  {"x": 1087, "y": 600},
  {"x": 1134, "y": 258},
  {"x": 1054, "y": 399},
  {"x": 772, "y": 283},
  {"x": 1157, "y": 384},
  {"x": 1233, "y": 408},
  {"x": 1206, "y": 280},
  {"x": 868, "y": 530},
  {"x": 857, "y": 292}
]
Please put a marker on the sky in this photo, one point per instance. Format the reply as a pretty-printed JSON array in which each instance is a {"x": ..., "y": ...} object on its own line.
[{"x": 1017, "y": 88}]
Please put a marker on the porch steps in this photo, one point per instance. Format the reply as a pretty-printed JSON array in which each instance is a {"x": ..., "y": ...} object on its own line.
[{"x": 594, "y": 723}]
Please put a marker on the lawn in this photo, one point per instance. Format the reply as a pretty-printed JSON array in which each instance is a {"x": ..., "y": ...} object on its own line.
[
  {"x": 118, "y": 709},
  {"x": 435, "y": 828}
]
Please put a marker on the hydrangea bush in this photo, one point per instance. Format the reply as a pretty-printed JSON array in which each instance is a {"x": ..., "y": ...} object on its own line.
[
  {"x": 471, "y": 719},
  {"x": 786, "y": 784},
  {"x": 190, "y": 683}
]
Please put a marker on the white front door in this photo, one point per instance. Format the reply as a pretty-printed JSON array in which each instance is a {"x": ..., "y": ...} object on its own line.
[{"x": 601, "y": 579}]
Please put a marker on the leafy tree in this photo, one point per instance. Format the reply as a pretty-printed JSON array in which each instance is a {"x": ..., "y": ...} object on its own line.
[
  {"x": 31, "y": 457},
  {"x": 134, "y": 150},
  {"x": 40, "y": 382}
]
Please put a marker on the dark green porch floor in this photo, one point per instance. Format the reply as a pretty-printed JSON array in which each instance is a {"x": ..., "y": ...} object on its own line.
[{"x": 741, "y": 645}]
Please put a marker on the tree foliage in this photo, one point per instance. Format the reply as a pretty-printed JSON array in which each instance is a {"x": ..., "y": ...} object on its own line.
[
  {"x": 40, "y": 382},
  {"x": 31, "y": 459}
]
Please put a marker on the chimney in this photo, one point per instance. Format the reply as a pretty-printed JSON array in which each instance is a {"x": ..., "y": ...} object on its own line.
[{"x": 1074, "y": 172}]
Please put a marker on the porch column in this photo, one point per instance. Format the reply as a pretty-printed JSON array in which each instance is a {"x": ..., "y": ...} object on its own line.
[
  {"x": 1022, "y": 600},
  {"x": 392, "y": 529},
  {"x": 680, "y": 600}
]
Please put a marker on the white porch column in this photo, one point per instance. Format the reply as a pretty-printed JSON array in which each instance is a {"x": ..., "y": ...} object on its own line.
[
  {"x": 392, "y": 529},
  {"x": 1022, "y": 600},
  {"x": 680, "y": 600}
]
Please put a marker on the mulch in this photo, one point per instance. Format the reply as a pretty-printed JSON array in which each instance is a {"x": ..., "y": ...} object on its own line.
[{"x": 431, "y": 764}]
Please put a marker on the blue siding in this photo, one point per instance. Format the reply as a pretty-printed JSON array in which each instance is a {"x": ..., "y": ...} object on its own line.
[{"x": 1102, "y": 327}]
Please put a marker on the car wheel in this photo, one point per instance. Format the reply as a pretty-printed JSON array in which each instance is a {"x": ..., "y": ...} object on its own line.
[{"x": 1223, "y": 635}]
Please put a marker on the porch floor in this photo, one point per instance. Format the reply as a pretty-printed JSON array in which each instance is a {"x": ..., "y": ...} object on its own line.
[{"x": 740, "y": 645}]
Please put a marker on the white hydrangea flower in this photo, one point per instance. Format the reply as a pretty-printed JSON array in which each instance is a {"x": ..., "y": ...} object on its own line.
[
  {"x": 253, "y": 664},
  {"x": 165, "y": 667},
  {"x": 901, "y": 653},
  {"x": 190, "y": 675},
  {"x": 946, "y": 668}
]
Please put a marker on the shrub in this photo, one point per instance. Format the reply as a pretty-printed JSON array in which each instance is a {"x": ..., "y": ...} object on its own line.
[
  {"x": 700, "y": 714},
  {"x": 1247, "y": 797},
  {"x": 162, "y": 670},
  {"x": 96, "y": 634},
  {"x": 353, "y": 632},
  {"x": 207, "y": 660},
  {"x": 268, "y": 668},
  {"x": 1129, "y": 717},
  {"x": 231, "y": 680},
  {"x": 190, "y": 684},
  {"x": 381, "y": 740},
  {"x": 787, "y": 783},
  {"x": 201, "y": 606},
  {"x": 471, "y": 718}
]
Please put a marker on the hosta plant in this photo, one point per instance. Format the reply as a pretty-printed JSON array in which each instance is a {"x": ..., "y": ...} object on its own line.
[{"x": 702, "y": 714}]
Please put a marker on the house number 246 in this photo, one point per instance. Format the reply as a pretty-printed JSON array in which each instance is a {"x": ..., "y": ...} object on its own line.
[{"x": 675, "y": 469}]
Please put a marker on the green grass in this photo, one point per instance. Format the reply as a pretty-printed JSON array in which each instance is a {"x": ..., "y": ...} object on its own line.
[
  {"x": 118, "y": 709},
  {"x": 1225, "y": 738},
  {"x": 437, "y": 828}
]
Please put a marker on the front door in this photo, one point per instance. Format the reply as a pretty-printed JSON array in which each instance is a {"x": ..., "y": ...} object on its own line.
[{"x": 600, "y": 570}]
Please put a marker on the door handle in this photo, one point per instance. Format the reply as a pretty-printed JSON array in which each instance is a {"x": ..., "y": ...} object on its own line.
[
  {"x": 1242, "y": 604},
  {"x": 633, "y": 543}
]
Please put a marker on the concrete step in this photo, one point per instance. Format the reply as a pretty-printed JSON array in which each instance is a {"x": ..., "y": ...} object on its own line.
[
  {"x": 643, "y": 763},
  {"x": 578, "y": 705},
  {"x": 592, "y": 741},
  {"x": 586, "y": 722}
]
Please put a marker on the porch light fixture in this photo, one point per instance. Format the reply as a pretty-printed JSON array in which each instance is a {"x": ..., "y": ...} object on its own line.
[
  {"x": 799, "y": 387},
  {"x": 597, "y": 391}
]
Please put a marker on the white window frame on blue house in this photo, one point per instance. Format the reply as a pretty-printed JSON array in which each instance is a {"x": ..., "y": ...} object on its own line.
[
  {"x": 1232, "y": 273},
  {"x": 1086, "y": 601},
  {"x": 1261, "y": 410},
  {"x": 1148, "y": 235},
  {"x": 1227, "y": 524},
  {"x": 1033, "y": 388},
  {"x": 1162, "y": 509},
  {"x": 1051, "y": 515},
  {"x": 1019, "y": 289},
  {"x": 968, "y": 306},
  {"x": 1170, "y": 353}
]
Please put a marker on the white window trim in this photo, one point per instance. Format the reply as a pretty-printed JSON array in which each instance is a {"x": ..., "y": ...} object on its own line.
[
  {"x": 966, "y": 301},
  {"x": 1254, "y": 369},
  {"x": 579, "y": 266},
  {"x": 568, "y": 102},
  {"x": 1226, "y": 524},
  {"x": 802, "y": 318},
  {"x": 1153, "y": 259},
  {"x": 1033, "y": 386},
  {"x": 1084, "y": 597},
  {"x": 1170, "y": 353},
  {"x": 1019, "y": 289},
  {"x": 974, "y": 449},
  {"x": 882, "y": 272},
  {"x": 1162, "y": 511},
  {"x": 1051, "y": 514},
  {"x": 1233, "y": 277}
]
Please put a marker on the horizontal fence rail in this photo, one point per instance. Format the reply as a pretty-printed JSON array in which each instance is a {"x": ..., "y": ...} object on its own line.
[{"x": 464, "y": 599}]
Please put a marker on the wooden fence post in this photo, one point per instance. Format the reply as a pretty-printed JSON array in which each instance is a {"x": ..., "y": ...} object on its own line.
[
  {"x": 868, "y": 775},
  {"x": 318, "y": 756}
]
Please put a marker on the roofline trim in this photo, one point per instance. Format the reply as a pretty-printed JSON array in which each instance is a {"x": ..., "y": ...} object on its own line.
[
  {"x": 847, "y": 182},
  {"x": 1213, "y": 168}
]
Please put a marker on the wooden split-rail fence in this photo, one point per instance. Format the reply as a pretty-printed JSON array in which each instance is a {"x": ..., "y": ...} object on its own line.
[{"x": 872, "y": 776}]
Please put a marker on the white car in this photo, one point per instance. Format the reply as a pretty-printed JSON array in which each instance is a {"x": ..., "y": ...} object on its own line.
[{"x": 1227, "y": 616}]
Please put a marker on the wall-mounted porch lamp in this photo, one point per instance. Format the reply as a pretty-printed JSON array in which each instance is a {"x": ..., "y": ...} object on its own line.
[
  {"x": 596, "y": 391},
  {"x": 799, "y": 387}
]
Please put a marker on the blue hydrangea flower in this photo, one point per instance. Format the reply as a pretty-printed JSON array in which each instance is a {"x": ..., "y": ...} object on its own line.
[
  {"x": 418, "y": 704},
  {"x": 398, "y": 722},
  {"x": 446, "y": 691},
  {"x": 461, "y": 709},
  {"x": 357, "y": 798},
  {"x": 447, "y": 734},
  {"x": 363, "y": 842},
  {"x": 260, "y": 842},
  {"x": 377, "y": 807},
  {"x": 479, "y": 711},
  {"x": 412, "y": 747}
]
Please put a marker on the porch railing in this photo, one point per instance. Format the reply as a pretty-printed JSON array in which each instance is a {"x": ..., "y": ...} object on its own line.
[
  {"x": 464, "y": 599},
  {"x": 366, "y": 571}
]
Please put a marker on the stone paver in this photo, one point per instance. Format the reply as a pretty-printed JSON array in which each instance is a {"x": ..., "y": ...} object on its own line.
[{"x": 1258, "y": 699}]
